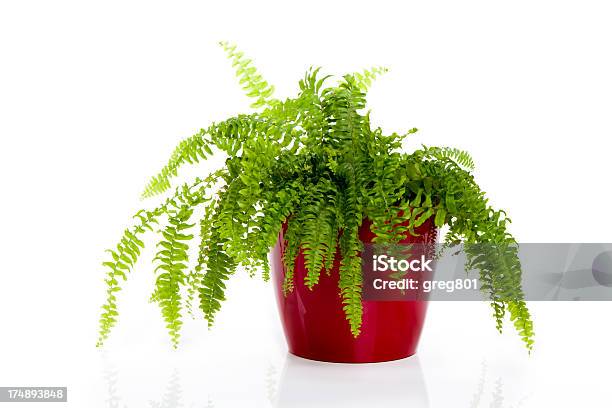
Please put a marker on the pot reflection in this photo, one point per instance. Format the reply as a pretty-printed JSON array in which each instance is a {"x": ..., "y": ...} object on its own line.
[{"x": 306, "y": 383}]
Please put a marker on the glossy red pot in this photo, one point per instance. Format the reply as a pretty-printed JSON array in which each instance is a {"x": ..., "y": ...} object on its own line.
[{"x": 315, "y": 325}]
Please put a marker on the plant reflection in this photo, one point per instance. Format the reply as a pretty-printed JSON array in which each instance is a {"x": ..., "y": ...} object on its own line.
[
  {"x": 171, "y": 398},
  {"x": 497, "y": 394},
  {"x": 306, "y": 383}
]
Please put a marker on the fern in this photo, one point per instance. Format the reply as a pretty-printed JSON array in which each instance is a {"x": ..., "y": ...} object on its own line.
[
  {"x": 220, "y": 266},
  {"x": 453, "y": 154},
  {"x": 252, "y": 82},
  {"x": 172, "y": 262},
  {"x": 123, "y": 259},
  {"x": 351, "y": 279},
  {"x": 317, "y": 234},
  {"x": 519, "y": 314},
  {"x": 365, "y": 78},
  {"x": 311, "y": 168},
  {"x": 293, "y": 241},
  {"x": 190, "y": 150},
  {"x": 196, "y": 275}
]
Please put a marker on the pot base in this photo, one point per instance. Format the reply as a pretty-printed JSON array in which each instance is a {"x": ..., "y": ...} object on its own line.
[{"x": 335, "y": 361}]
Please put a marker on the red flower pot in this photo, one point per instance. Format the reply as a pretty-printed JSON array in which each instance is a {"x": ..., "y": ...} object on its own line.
[{"x": 316, "y": 327}]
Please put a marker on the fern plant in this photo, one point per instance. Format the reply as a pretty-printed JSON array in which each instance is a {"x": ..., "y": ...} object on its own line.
[{"x": 316, "y": 164}]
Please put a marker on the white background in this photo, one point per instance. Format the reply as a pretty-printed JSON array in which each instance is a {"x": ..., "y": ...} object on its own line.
[{"x": 94, "y": 96}]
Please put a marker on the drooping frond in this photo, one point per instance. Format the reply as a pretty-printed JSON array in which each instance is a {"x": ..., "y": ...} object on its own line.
[
  {"x": 172, "y": 256},
  {"x": 123, "y": 258},
  {"x": 292, "y": 236},
  {"x": 519, "y": 315},
  {"x": 126, "y": 253},
  {"x": 172, "y": 263},
  {"x": 269, "y": 223},
  {"x": 350, "y": 281},
  {"x": 197, "y": 273},
  {"x": 318, "y": 231},
  {"x": 219, "y": 266},
  {"x": 252, "y": 82},
  {"x": 343, "y": 108}
]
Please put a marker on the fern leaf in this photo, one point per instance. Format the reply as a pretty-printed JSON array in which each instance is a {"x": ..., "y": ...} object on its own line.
[
  {"x": 172, "y": 261},
  {"x": 332, "y": 239},
  {"x": 350, "y": 282},
  {"x": 219, "y": 268},
  {"x": 196, "y": 275},
  {"x": 122, "y": 261},
  {"x": 365, "y": 78},
  {"x": 127, "y": 251},
  {"x": 317, "y": 226},
  {"x": 214, "y": 260},
  {"x": 292, "y": 249},
  {"x": 252, "y": 82},
  {"x": 519, "y": 314},
  {"x": 460, "y": 157},
  {"x": 278, "y": 206},
  {"x": 190, "y": 150}
]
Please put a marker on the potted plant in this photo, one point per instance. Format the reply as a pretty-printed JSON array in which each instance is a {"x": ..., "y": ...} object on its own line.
[{"x": 312, "y": 180}]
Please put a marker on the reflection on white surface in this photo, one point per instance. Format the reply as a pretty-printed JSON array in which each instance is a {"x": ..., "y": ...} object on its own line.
[
  {"x": 300, "y": 383},
  {"x": 223, "y": 370},
  {"x": 170, "y": 397},
  {"x": 306, "y": 383},
  {"x": 493, "y": 391},
  {"x": 173, "y": 394}
]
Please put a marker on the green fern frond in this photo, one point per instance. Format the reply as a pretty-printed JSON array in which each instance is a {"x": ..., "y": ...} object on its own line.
[
  {"x": 311, "y": 82},
  {"x": 268, "y": 225},
  {"x": 346, "y": 124},
  {"x": 194, "y": 281},
  {"x": 127, "y": 251},
  {"x": 252, "y": 82},
  {"x": 365, "y": 78},
  {"x": 196, "y": 276},
  {"x": 190, "y": 150},
  {"x": 122, "y": 261},
  {"x": 219, "y": 268},
  {"x": 519, "y": 315},
  {"x": 292, "y": 237},
  {"x": 317, "y": 227},
  {"x": 172, "y": 261},
  {"x": 350, "y": 281},
  {"x": 461, "y": 157},
  {"x": 332, "y": 243}
]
